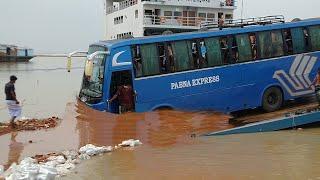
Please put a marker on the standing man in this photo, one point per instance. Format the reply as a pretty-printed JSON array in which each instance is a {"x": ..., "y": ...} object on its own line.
[
  {"x": 125, "y": 95},
  {"x": 11, "y": 100}
]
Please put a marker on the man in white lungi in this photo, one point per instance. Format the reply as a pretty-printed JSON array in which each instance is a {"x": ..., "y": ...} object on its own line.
[{"x": 11, "y": 100}]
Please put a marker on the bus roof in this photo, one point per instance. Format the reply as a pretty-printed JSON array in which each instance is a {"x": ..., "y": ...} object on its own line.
[{"x": 203, "y": 34}]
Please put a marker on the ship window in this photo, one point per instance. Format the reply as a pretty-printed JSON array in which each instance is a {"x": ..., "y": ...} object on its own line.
[
  {"x": 150, "y": 60},
  {"x": 298, "y": 40},
  {"x": 213, "y": 52},
  {"x": 264, "y": 44},
  {"x": 277, "y": 43},
  {"x": 244, "y": 47},
  {"x": 314, "y": 36},
  {"x": 202, "y": 15},
  {"x": 177, "y": 14},
  {"x": 167, "y": 13},
  {"x": 211, "y": 15},
  {"x": 182, "y": 55},
  {"x": 136, "y": 13},
  {"x": 228, "y": 16}
]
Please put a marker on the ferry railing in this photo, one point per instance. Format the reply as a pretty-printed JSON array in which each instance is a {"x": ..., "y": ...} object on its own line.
[
  {"x": 176, "y": 20},
  {"x": 243, "y": 22}
]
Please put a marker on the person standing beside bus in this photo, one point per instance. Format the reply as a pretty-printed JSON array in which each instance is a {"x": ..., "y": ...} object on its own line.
[
  {"x": 316, "y": 83},
  {"x": 11, "y": 100},
  {"x": 125, "y": 95}
]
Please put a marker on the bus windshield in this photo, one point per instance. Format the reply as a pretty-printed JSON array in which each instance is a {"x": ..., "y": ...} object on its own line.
[{"x": 91, "y": 90}]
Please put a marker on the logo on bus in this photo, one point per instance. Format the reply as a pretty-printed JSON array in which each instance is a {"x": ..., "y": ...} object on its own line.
[
  {"x": 297, "y": 81},
  {"x": 195, "y": 82},
  {"x": 115, "y": 60}
]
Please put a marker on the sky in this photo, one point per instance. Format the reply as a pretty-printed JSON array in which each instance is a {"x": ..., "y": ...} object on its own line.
[{"x": 61, "y": 26}]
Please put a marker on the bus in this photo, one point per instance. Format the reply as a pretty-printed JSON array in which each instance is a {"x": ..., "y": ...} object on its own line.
[{"x": 224, "y": 70}]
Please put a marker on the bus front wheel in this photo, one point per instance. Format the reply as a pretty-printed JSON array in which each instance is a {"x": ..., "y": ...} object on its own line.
[{"x": 272, "y": 99}]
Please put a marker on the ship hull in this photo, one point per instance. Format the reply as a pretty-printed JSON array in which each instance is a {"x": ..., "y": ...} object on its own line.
[{"x": 15, "y": 58}]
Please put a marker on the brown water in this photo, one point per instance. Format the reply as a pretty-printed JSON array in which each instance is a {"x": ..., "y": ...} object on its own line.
[{"x": 168, "y": 151}]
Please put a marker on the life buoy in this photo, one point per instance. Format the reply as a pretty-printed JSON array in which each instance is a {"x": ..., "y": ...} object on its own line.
[{"x": 162, "y": 19}]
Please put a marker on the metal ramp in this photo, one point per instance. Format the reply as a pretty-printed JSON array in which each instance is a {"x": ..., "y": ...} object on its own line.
[
  {"x": 289, "y": 121},
  {"x": 243, "y": 22}
]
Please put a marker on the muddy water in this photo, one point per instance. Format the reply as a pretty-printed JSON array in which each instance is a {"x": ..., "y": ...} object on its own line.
[{"x": 168, "y": 151}]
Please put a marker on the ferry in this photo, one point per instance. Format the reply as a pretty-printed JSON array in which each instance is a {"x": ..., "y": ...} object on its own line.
[
  {"x": 260, "y": 62},
  {"x": 137, "y": 18},
  {"x": 13, "y": 53}
]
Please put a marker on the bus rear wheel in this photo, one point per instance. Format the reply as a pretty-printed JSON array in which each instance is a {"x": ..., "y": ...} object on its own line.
[{"x": 272, "y": 99}]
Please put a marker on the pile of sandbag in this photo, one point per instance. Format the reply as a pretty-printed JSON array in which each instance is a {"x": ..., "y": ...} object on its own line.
[{"x": 49, "y": 166}]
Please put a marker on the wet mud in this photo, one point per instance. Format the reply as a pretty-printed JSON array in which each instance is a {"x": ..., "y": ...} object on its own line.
[
  {"x": 29, "y": 125},
  {"x": 82, "y": 125}
]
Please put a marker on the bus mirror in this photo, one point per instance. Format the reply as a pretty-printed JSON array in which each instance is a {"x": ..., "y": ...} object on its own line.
[{"x": 88, "y": 68}]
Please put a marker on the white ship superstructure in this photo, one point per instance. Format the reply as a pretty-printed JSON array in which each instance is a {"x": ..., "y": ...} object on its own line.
[{"x": 142, "y": 18}]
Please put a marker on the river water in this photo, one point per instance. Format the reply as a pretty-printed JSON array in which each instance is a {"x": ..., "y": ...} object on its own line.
[{"x": 168, "y": 151}]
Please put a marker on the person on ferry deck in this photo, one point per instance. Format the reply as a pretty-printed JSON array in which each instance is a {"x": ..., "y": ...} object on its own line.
[
  {"x": 316, "y": 83},
  {"x": 125, "y": 95}
]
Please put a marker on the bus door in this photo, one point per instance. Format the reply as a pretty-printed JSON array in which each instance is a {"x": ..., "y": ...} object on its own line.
[{"x": 119, "y": 79}]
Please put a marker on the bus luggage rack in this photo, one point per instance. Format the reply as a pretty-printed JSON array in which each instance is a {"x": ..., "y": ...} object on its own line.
[{"x": 243, "y": 22}]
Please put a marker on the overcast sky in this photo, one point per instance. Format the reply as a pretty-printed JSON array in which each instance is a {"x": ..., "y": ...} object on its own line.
[{"x": 57, "y": 26}]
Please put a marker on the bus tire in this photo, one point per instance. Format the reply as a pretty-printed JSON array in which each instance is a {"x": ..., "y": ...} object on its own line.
[{"x": 272, "y": 99}]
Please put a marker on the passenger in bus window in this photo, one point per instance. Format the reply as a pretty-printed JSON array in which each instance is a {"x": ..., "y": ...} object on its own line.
[
  {"x": 316, "y": 84},
  {"x": 137, "y": 61},
  {"x": 288, "y": 40},
  {"x": 253, "y": 43},
  {"x": 306, "y": 36},
  {"x": 195, "y": 56},
  {"x": 171, "y": 58},
  {"x": 125, "y": 95},
  {"x": 234, "y": 51},
  {"x": 224, "y": 50},
  {"x": 162, "y": 59},
  {"x": 203, "y": 51}
]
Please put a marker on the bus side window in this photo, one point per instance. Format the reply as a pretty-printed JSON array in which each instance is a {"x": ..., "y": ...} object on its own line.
[
  {"x": 150, "y": 59},
  {"x": 244, "y": 47},
  {"x": 214, "y": 53},
  {"x": 182, "y": 55},
  {"x": 277, "y": 43},
  {"x": 288, "y": 41},
  {"x": 163, "y": 59},
  {"x": 298, "y": 40},
  {"x": 264, "y": 45},
  {"x": 234, "y": 57},
  {"x": 137, "y": 60},
  {"x": 224, "y": 50},
  {"x": 195, "y": 54},
  {"x": 253, "y": 44},
  {"x": 199, "y": 53},
  {"x": 203, "y": 54},
  {"x": 171, "y": 60},
  {"x": 314, "y": 36}
]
